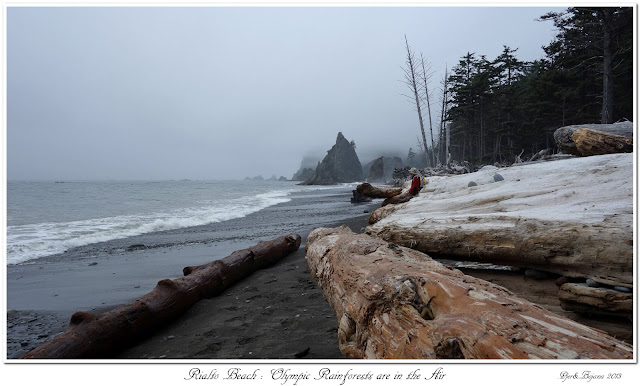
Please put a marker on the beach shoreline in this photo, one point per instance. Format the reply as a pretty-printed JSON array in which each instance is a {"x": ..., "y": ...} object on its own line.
[
  {"x": 42, "y": 295},
  {"x": 276, "y": 313}
]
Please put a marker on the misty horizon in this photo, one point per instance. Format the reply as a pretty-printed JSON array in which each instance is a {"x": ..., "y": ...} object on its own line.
[{"x": 224, "y": 93}]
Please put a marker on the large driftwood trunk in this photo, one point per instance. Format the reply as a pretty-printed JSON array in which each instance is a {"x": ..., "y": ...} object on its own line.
[
  {"x": 574, "y": 219},
  {"x": 564, "y": 135},
  {"x": 369, "y": 190},
  {"x": 101, "y": 335},
  {"x": 398, "y": 199},
  {"x": 394, "y": 302},
  {"x": 593, "y": 142}
]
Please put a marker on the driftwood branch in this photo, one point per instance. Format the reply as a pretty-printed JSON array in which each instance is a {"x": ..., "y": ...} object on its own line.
[
  {"x": 394, "y": 302},
  {"x": 102, "y": 335}
]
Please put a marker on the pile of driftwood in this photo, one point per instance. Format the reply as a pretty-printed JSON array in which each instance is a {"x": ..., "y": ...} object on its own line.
[
  {"x": 102, "y": 335},
  {"x": 402, "y": 175},
  {"x": 395, "y": 303}
]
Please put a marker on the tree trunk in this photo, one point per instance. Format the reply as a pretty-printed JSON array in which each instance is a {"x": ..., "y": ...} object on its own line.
[
  {"x": 396, "y": 303},
  {"x": 102, "y": 335},
  {"x": 443, "y": 148},
  {"x": 426, "y": 93},
  {"x": 607, "y": 68},
  {"x": 412, "y": 83}
]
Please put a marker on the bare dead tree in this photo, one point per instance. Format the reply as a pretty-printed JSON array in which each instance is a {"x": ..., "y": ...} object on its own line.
[
  {"x": 422, "y": 149},
  {"x": 411, "y": 74},
  {"x": 425, "y": 79},
  {"x": 444, "y": 151}
]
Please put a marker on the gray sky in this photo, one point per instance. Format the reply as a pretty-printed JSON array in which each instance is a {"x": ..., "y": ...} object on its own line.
[{"x": 216, "y": 93}]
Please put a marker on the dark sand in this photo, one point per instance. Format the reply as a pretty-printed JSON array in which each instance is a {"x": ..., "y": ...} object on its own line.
[{"x": 275, "y": 313}]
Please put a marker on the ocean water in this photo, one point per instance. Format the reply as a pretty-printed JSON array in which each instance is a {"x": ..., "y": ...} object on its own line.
[{"x": 49, "y": 218}]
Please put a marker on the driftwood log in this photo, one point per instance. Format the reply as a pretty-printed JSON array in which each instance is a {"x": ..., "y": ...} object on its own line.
[
  {"x": 102, "y": 335},
  {"x": 593, "y": 142},
  {"x": 359, "y": 197},
  {"x": 398, "y": 199},
  {"x": 369, "y": 190},
  {"x": 392, "y": 195},
  {"x": 575, "y": 224},
  {"x": 394, "y": 302},
  {"x": 600, "y": 301},
  {"x": 564, "y": 135}
]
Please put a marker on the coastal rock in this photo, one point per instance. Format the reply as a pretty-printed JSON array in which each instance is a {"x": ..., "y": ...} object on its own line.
[
  {"x": 307, "y": 167},
  {"x": 583, "y": 298},
  {"x": 393, "y": 302},
  {"x": 340, "y": 165},
  {"x": 376, "y": 171},
  {"x": 592, "y": 283},
  {"x": 390, "y": 164},
  {"x": 303, "y": 174},
  {"x": 577, "y": 224},
  {"x": 564, "y": 135}
]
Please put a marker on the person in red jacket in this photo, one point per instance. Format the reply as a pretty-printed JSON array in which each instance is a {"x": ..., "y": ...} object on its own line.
[{"x": 416, "y": 183}]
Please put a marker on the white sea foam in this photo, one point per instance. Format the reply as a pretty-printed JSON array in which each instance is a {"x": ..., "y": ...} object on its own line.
[{"x": 31, "y": 241}]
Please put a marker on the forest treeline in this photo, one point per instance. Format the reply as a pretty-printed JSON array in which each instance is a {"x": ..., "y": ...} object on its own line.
[{"x": 499, "y": 108}]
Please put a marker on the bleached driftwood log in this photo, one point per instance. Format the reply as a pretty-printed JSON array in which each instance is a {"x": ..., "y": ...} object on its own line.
[
  {"x": 369, "y": 190},
  {"x": 102, "y": 335},
  {"x": 602, "y": 301},
  {"x": 394, "y": 302},
  {"x": 564, "y": 135},
  {"x": 593, "y": 142},
  {"x": 578, "y": 224}
]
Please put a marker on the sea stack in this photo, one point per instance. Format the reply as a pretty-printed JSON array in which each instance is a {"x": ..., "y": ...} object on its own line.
[{"x": 341, "y": 164}]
